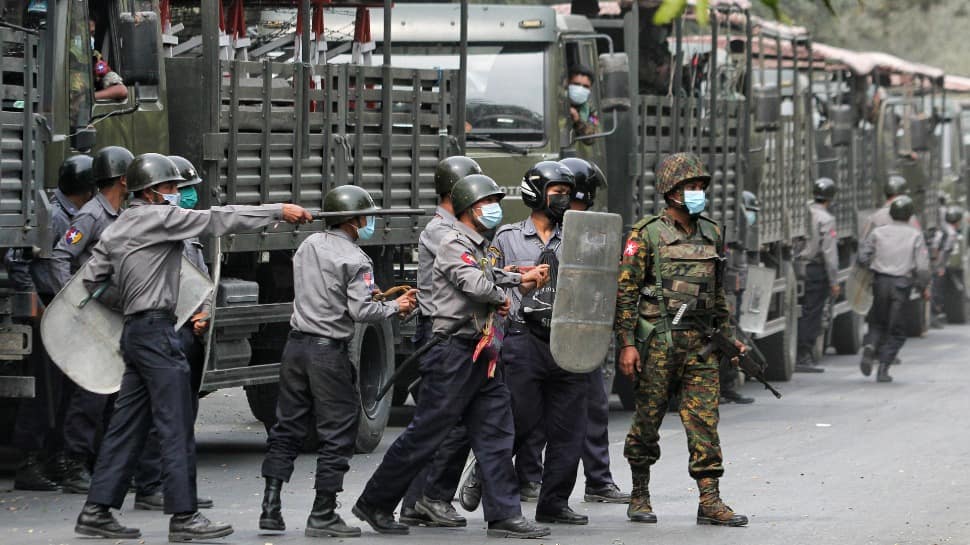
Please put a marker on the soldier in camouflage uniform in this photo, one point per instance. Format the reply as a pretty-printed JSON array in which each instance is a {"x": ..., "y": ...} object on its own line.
[{"x": 668, "y": 261}]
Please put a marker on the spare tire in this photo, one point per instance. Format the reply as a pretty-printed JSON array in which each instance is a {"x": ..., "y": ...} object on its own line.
[{"x": 372, "y": 353}]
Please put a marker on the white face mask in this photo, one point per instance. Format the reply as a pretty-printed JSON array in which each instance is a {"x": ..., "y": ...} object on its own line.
[
  {"x": 578, "y": 94},
  {"x": 170, "y": 198}
]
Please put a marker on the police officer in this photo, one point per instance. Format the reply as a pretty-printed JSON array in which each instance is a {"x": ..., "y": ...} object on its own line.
[
  {"x": 460, "y": 378},
  {"x": 735, "y": 280},
  {"x": 140, "y": 255},
  {"x": 942, "y": 244},
  {"x": 668, "y": 261},
  {"x": 36, "y": 427},
  {"x": 428, "y": 499},
  {"x": 333, "y": 281},
  {"x": 821, "y": 273},
  {"x": 85, "y": 412},
  {"x": 600, "y": 486},
  {"x": 896, "y": 254},
  {"x": 896, "y": 186},
  {"x": 543, "y": 394},
  {"x": 148, "y": 476}
]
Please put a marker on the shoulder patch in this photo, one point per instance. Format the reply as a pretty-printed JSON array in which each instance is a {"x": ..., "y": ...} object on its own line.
[
  {"x": 631, "y": 248},
  {"x": 468, "y": 259},
  {"x": 73, "y": 236}
]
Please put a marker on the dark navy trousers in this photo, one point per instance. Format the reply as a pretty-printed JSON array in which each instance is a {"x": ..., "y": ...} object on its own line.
[
  {"x": 454, "y": 389},
  {"x": 439, "y": 480},
  {"x": 545, "y": 395},
  {"x": 316, "y": 378},
  {"x": 155, "y": 391},
  {"x": 596, "y": 446},
  {"x": 887, "y": 329}
]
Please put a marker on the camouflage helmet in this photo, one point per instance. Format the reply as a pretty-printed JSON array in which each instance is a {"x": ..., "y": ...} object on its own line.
[
  {"x": 896, "y": 185},
  {"x": 679, "y": 168},
  {"x": 450, "y": 170},
  {"x": 74, "y": 176},
  {"x": 902, "y": 208},
  {"x": 750, "y": 201},
  {"x": 588, "y": 179},
  {"x": 954, "y": 214},
  {"x": 110, "y": 162},
  {"x": 347, "y": 198},
  {"x": 471, "y": 189},
  {"x": 190, "y": 176},
  {"x": 824, "y": 189},
  {"x": 150, "y": 169}
]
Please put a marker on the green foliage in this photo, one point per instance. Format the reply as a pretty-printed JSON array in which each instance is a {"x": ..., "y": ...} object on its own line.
[{"x": 672, "y": 9}]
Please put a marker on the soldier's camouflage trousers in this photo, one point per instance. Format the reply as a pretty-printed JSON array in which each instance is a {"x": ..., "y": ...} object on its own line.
[{"x": 696, "y": 380}]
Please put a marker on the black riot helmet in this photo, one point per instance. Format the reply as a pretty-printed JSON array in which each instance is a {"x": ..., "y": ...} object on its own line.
[
  {"x": 823, "y": 189},
  {"x": 450, "y": 170},
  {"x": 954, "y": 214},
  {"x": 347, "y": 198},
  {"x": 190, "y": 176},
  {"x": 750, "y": 201},
  {"x": 901, "y": 208},
  {"x": 471, "y": 189},
  {"x": 150, "y": 169},
  {"x": 896, "y": 185},
  {"x": 109, "y": 163},
  {"x": 538, "y": 179},
  {"x": 588, "y": 179},
  {"x": 74, "y": 176}
]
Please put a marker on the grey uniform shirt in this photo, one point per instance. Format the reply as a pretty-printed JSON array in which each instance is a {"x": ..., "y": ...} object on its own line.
[
  {"x": 898, "y": 250},
  {"x": 519, "y": 244},
  {"x": 333, "y": 282},
  {"x": 942, "y": 245},
  {"x": 465, "y": 282},
  {"x": 881, "y": 217},
  {"x": 37, "y": 273},
  {"x": 823, "y": 238},
  {"x": 73, "y": 249},
  {"x": 141, "y": 253},
  {"x": 428, "y": 243}
]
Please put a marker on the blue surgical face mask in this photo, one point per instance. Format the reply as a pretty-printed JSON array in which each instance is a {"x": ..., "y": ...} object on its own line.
[
  {"x": 190, "y": 197},
  {"x": 695, "y": 201},
  {"x": 491, "y": 215},
  {"x": 367, "y": 231},
  {"x": 751, "y": 216},
  {"x": 170, "y": 198},
  {"x": 578, "y": 94}
]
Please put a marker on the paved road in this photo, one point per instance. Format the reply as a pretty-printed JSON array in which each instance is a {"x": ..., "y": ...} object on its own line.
[{"x": 839, "y": 460}]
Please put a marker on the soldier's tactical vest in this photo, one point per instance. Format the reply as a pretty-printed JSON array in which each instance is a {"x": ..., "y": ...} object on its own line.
[{"x": 684, "y": 271}]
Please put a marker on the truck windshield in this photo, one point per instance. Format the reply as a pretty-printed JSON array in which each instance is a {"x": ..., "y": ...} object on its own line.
[{"x": 505, "y": 96}]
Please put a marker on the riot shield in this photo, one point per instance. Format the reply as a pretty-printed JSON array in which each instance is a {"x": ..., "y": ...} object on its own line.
[
  {"x": 858, "y": 289},
  {"x": 582, "y": 313},
  {"x": 84, "y": 339}
]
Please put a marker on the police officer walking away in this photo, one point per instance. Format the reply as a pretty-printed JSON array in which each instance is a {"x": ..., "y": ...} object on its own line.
[
  {"x": 460, "y": 381},
  {"x": 669, "y": 261},
  {"x": 140, "y": 255},
  {"x": 37, "y": 427},
  {"x": 85, "y": 410},
  {"x": 333, "y": 282},
  {"x": 896, "y": 254},
  {"x": 821, "y": 274},
  {"x": 428, "y": 499},
  {"x": 942, "y": 244},
  {"x": 896, "y": 186}
]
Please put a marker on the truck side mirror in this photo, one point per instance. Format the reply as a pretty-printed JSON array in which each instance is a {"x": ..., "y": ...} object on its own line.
[
  {"x": 84, "y": 139},
  {"x": 767, "y": 107},
  {"x": 843, "y": 120},
  {"x": 138, "y": 35},
  {"x": 615, "y": 82}
]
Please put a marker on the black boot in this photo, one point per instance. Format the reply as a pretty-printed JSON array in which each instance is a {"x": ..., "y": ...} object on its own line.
[
  {"x": 189, "y": 526},
  {"x": 56, "y": 467},
  {"x": 271, "y": 518},
  {"x": 97, "y": 521},
  {"x": 77, "y": 478},
  {"x": 883, "y": 374},
  {"x": 517, "y": 528},
  {"x": 324, "y": 521},
  {"x": 381, "y": 521},
  {"x": 31, "y": 475}
]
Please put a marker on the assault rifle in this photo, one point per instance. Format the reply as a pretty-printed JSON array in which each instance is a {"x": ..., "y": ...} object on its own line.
[{"x": 724, "y": 346}]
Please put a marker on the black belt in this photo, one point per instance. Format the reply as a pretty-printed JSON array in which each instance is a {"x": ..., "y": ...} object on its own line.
[
  {"x": 160, "y": 314},
  {"x": 317, "y": 339}
]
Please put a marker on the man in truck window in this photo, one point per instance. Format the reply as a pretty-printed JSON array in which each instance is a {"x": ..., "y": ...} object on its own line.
[
  {"x": 108, "y": 85},
  {"x": 579, "y": 89}
]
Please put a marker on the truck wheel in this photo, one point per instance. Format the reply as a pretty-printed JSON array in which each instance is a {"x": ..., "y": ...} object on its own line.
[
  {"x": 372, "y": 353},
  {"x": 847, "y": 333},
  {"x": 955, "y": 305},
  {"x": 781, "y": 349}
]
